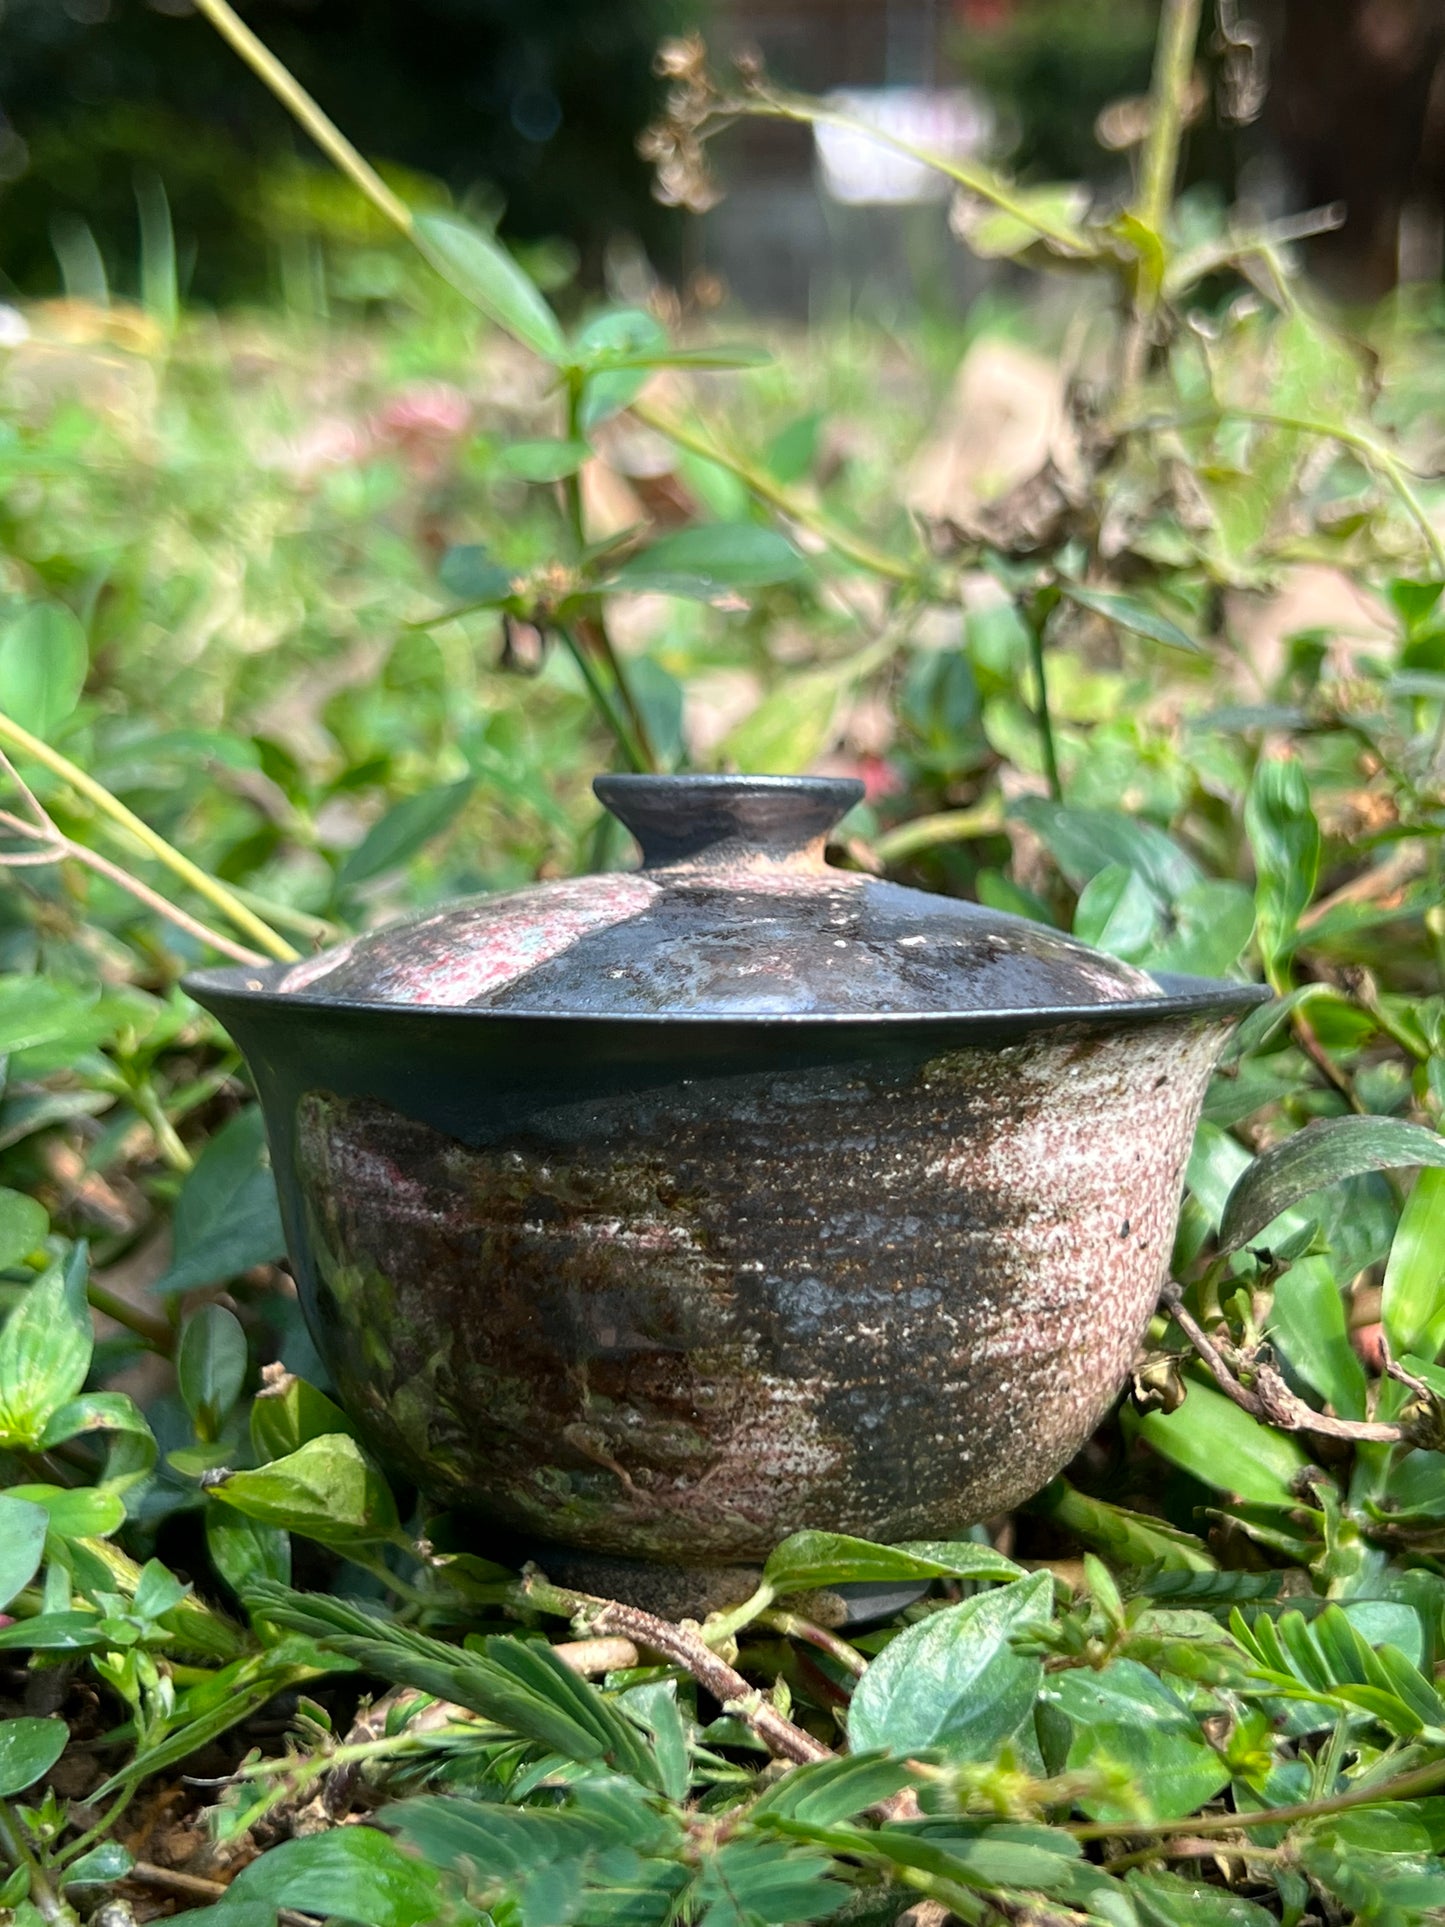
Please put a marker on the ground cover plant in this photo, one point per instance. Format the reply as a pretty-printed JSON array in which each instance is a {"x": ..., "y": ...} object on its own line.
[{"x": 304, "y": 623}]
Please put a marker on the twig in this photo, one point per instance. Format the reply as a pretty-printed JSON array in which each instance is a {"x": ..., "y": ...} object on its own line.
[
  {"x": 927, "y": 832},
  {"x": 792, "y": 1626},
  {"x": 727, "y": 1686},
  {"x": 1191, "y": 1849},
  {"x": 215, "y": 892},
  {"x": 1268, "y": 1398},
  {"x": 294, "y": 97},
  {"x": 172, "y": 1880},
  {"x": 1424, "y": 1779}
]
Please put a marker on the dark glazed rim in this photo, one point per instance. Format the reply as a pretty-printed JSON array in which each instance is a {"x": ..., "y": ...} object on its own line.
[{"x": 245, "y": 986}]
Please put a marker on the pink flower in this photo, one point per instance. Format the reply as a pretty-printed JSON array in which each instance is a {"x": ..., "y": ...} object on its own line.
[{"x": 423, "y": 415}]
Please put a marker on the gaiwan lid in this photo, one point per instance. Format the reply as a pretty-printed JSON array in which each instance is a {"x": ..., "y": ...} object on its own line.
[{"x": 735, "y": 912}]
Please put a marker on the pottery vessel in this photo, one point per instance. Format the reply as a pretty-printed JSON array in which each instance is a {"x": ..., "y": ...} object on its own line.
[{"x": 658, "y": 1215}]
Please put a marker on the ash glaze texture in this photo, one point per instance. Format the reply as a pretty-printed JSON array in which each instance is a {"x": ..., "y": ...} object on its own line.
[{"x": 682, "y": 1322}]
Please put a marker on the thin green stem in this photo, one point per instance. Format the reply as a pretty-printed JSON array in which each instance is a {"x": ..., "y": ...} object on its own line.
[
  {"x": 593, "y": 626},
  {"x": 603, "y": 700},
  {"x": 759, "y": 483},
  {"x": 1169, "y": 94},
  {"x": 156, "y": 1332},
  {"x": 144, "y": 1096},
  {"x": 1041, "y": 714},
  {"x": 976, "y": 180},
  {"x": 294, "y": 97},
  {"x": 948, "y": 826},
  {"x": 43, "y": 1897},
  {"x": 1407, "y": 1786},
  {"x": 215, "y": 893}
]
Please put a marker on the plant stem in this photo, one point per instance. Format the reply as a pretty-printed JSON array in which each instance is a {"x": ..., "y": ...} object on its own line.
[
  {"x": 215, "y": 893},
  {"x": 1425, "y": 1779},
  {"x": 602, "y": 699},
  {"x": 294, "y": 97},
  {"x": 1041, "y": 714},
  {"x": 155, "y": 1331},
  {"x": 948, "y": 826},
  {"x": 1169, "y": 94},
  {"x": 758, "y": 482},
  {"x": 593, "y": 626},
  {"x": 43, "y": 1896}
]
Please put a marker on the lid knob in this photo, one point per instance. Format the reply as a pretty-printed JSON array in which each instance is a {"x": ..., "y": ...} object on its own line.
[{"x": 730, "y": 819}]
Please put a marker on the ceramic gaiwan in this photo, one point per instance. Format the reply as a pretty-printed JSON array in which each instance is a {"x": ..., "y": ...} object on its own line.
[{"x": 660, "y": 1215}]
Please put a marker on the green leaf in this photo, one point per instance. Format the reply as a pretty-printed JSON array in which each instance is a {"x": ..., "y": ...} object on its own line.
[
  {"x": 747, "y": 1881},
  {"x": 226, "y": 1217},
  {"x": 352, "y": 1873},
  {"x": 34, "y": 1010},
  {"x": 811, "y": 1559},
  {"x": 1210, "y": 1437},
  {"x": 1117, "y": 912},
  {"x": 1285, "y": 839},
  {"x": 24, "y": 1227},
  {"x": 282, "y": 1421},
  {"x": 45, "y": 1349},
  {"x": 1123, "y": 1717},
  {"x": 23, "y": 1526},
  {"x": 482, "y": 271},
  {"x": 471, "y": 574},
  {"x": 619, "y": 349},
  {"x": 245, "y": 1550},
  {"x": 68, "y": 1632},
  {"x": 826, "y": 1791},
  {"x": 1413, "y": 1305},
  {"x": 1309, "y": 1326},
  {"x": 327, "y": 1489},
  {"x": 1128, "y": 612},
  {"x": 543, "y": 461},
  {"x": 1318, "y": 1156},
  {"x": 1083, "y": 842},
  {"x": 1163, "y": 1899},
  {"x": 77, "y": 1512},
  {"x": 211, "y": 1363},
  {"x": 43, "y": 662},
  {"x": 953, "y": 1683},
  {"x": 1129, "y": 1538},
  {"x": 1049, "y": 213},
  {"x": 133, "y": 1448},
  {"x": 102, "y": 1866},
  {"x": 713, "y": 560},
  {"x": 28, "y": 1748},
  {"x": 407, "y": 827}
]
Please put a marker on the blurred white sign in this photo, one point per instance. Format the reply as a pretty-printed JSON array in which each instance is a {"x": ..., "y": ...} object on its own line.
[{"x": 861, "y": 172}]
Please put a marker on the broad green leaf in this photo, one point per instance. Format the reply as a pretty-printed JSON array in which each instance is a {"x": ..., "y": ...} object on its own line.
[
  {"x": 23, "y": 1526},
  {"x": 1163, "y": 1899},
  {"x": 284, "y": 1420},
  {"x": 24, "y": 1226},
  {"x": 1308, "y": 1324},
  {"x": 1129, "y": 1538},
  {"x": 133, "y": 1446},
  {"x": 211, "y": 1366},
  {"x": 1285, "y": 839},
  {"x": 543, "y": 461},
  {"x": 226, "y": 1218},
  {"x": 1049, "y": 214},
  {"x": 76, "y": 1512},
  {"x": 45, "y": 1349},
  {"x": 1213, "y": 923},
  {"x": 407, "y": 827},
  {"x": 619, "y": 350},
  {"x": 1083, "y": 842},
  {"x": 327, "y": 1489},
  {"x": 355, "y": 1873},
  {"x": 1413, "y": 1307},
  {"x": 953, "y": 1683},
  {"x": 43, "y": 662},
  {"x": 1318, "y": 1156},
  {"x": 1117, "y": 912},
  {"x": 68, "y": 1632},
  {"x": 1128, "y": 612},
  {"x": 28, "y": 1748},
  {"x": 244, "y": 1550},
  {"x": 812, "y": 1559},
  {"x": 1124, "y": 1717},
  {"x": 101, "y": 1866},
  {"x": 1210, "y": 1437},
  {"x": 36, "y": 1010},
  {"x": 712, "y": 560},
  {"x": 473, "y": 575},
  {"x": 481, "y": 270}
]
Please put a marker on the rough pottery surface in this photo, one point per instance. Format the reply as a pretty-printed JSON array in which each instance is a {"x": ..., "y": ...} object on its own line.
[{"x": 657, "y": 1216}]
